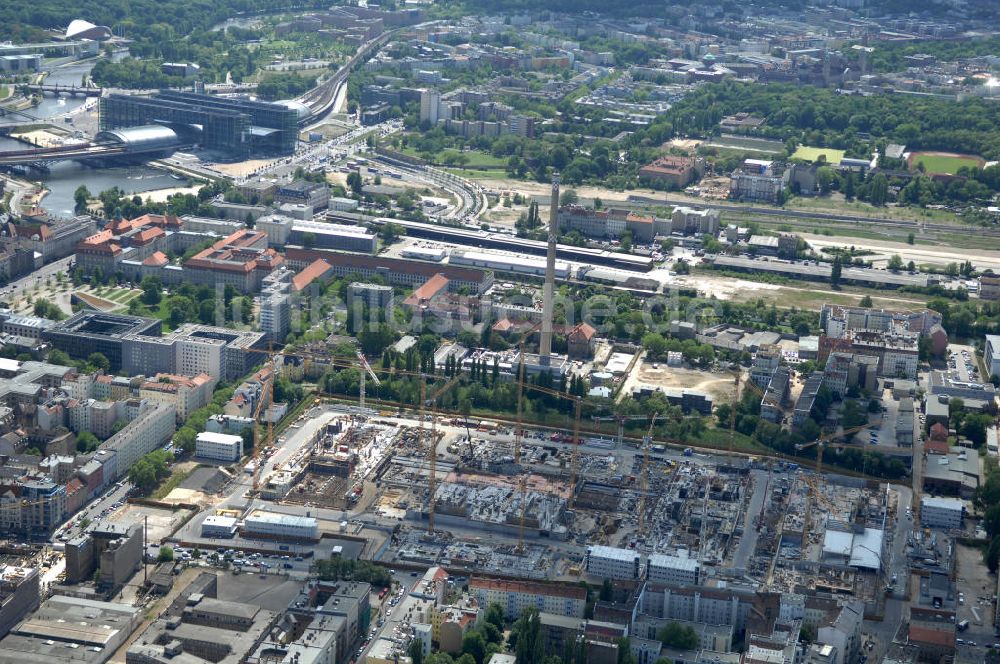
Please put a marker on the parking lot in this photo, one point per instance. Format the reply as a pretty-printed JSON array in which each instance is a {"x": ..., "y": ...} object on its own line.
[
  {"x": 962, "y": 364},
  {"x": 975, "y": 600}
]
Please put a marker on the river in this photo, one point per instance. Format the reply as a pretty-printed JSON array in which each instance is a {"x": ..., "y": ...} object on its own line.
[{"x": 64, "y": 177}]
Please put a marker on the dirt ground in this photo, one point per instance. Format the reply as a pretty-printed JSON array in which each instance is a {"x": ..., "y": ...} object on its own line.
[
  {"x": 683, "y": 143},
  {"x": 505, "y": 216},
  {"x": 161, "y": 195},
  {"x": 161, "y": 522},
  {"x": 719, "y": 385},
  {"x": 243, "y": 168}
]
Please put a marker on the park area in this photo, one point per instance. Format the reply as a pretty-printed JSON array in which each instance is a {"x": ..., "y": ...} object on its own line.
[
  {"x": 808, "y": 154},
  {"x": 946, "y": 163}
]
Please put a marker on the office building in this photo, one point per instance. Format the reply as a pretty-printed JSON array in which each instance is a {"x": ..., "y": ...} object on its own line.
[
  {"x": 944, "y": 513},
  {"x": 606, "y": 562},
  {"x": 89, "y": 332},
  {"x": 373, "y": 296},
  {"x": 991, "y": 354},
  {"x": 219, "y": 447},
  {"x": 217, "y": 525},
  {"x": 191, "y": 350},
  {"x": 241, "y": 260},
  {"x": 237, "y": 126},
  {"x": 430, "y": 104},
  {"x": 274, "y": 304},
  {"x": 280, "y": 526},
  {"x": 18, "y": 594},
  {"x": 301, "y": 192},
  {"x": 395, "y": 271}
]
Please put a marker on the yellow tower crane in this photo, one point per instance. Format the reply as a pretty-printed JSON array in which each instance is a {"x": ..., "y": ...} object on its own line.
[{"x": 432, "y": 448}]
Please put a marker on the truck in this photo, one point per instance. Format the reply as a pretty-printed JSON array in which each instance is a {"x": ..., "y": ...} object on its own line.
[
  {"x": 963, "y": 625},
  {"x": 688, "y": 452}
]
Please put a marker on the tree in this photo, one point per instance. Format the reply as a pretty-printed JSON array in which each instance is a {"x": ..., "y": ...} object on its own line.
[
  {"x": 100, "y": 361},
  {"x": 494, "y": 615},
  {"x": 86, "y": 442},
  {"x": 910, "y": 238},
  {"x": 674, "y": 635},
  {"x": 166, "y": 554},
  {"x": 59, "y": 357},
  {"x": 895, "y": 263},
  {"x": 142, "y": 475},
  {"x": 474, "y": 643},
  {"x": 607, "y": 591},
  {"x": 835, "y": 272},
  {"x": 416, "y": 651},
  {"x": 355, "y": 182},
  {"x": 80, "y": 197},
  {"x": 866, "y": 302},
  {"x": 878, "y": 190},
  {"x": 569, "y": 197},
  {"x": 152, "y": 291},
  {"x": 185, "y": 438}
]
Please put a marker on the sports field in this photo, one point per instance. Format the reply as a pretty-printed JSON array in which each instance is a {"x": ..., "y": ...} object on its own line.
[
  {"x": 944, "y": 162},
  {"x": 806, "y": 153}
]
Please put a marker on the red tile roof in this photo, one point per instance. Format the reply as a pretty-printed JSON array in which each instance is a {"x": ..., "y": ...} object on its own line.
[
  {"x": 584, "y": 330},
  {"x": 147, "y": 235},
  {"x": 533, "y": 587},
  {"x": 932, "y": 637},
  {"x": 310, "y": 273},
  {"x": 29, "y": 230},
  {"x": 156, "y": 258},
  {"x": 428, "y": 290}
]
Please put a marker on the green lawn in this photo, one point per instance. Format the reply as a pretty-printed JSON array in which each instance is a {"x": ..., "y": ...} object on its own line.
[
  {"x": 477, "y": 174},
  {"x": 806, "y": 153},
  {"x": 940, "y": 163},
  {"x": 4, "y": 91},
  {"x": 476, "y": 159}
]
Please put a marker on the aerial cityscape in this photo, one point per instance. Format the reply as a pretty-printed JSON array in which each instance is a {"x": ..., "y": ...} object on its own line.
[{"x": 499, "y": 332}]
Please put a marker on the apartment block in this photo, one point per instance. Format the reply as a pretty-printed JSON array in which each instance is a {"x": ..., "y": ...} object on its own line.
[
  {"x": 516, "y": 596},
  {"x": 678, "y": 569},
  {"x": 185, "y": 394},
  {"x": 607, "y": 562}
]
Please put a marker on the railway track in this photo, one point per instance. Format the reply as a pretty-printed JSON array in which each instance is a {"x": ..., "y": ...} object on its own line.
[{"x": 805, "y": 215}]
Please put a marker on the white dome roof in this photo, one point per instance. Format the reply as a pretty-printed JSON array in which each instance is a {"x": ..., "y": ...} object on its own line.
[{"x": 86, "y": 29}]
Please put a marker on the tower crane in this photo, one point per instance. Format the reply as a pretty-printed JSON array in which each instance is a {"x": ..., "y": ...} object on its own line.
[
  {"x": 647, "y": 443},
  {"x": 367, "y": 370},
  {"x": 819, "y": 444},
  {"x": 432, "y": 448},
  {"x": 621, "y": 420},
  {"x": 258, "y": 450}
]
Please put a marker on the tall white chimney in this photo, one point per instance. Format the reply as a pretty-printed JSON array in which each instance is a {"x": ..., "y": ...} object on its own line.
[{"x": 548, "y": 290}]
